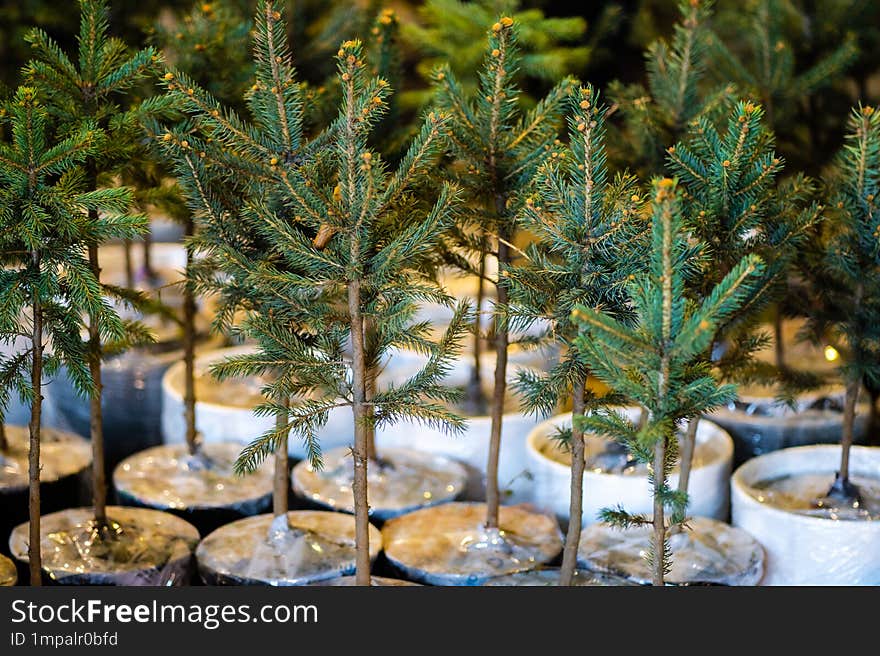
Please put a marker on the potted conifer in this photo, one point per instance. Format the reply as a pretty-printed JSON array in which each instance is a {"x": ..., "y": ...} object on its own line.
[
  {"x": 814, "y": 523},
  {"x": 325, "y": 261},
  {"x": 497, "y": 148},
  {"x": 657, "y": 362},
  {"x": 100, "y": 86},
  {"x": 58, "y": 285}
]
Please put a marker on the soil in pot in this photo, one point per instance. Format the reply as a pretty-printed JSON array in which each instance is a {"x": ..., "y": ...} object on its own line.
[
  {"x": 806, "y": 494},
  {"x": 450, "y": 545},
  {"x": 63, "y": 459},
  {"x": 201, "y": 488},
  {"x": 301, "y": 547},
  {"x": 399, "y": 481},
  {"x": 137, "y": 546},
  {"x": 8, "y": 573},
  {"x": 706, "y": 552}
]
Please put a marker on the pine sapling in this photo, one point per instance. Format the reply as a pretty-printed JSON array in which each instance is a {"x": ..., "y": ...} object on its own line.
[
  {"x": 658, "y": 361},
  {"x": 48, "y": 286},
  {"x": 499, "y": 148},
  {"x": 92, "y": 88},
  {"x": 588, "y": 238},
  {"x": 852, "y": 259},
  {"x": 735, "y": 206}
]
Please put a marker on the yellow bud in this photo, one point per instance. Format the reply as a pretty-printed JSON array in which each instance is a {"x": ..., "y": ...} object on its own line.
[
  {"x": 496, "y": 27},
  {"x": 273, "y": 161},
  {"x": 507, "y": 21},
  {"x": 168, "y": 76}
]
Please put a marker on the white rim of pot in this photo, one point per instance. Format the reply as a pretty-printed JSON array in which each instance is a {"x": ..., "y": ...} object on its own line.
[
  {"x": 740, "y": 482},
  {"x": 208, "y": 357}
]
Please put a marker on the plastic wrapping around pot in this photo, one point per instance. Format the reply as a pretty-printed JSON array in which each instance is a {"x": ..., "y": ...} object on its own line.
[
  {"x": 63, "y": 458},
  {"x": 304, "y": 547},
  {"x": 224, "y": 410},
  {"x": 707, "y": 552},
  {"x": 203, "y": 488},
  {"x": 138, "y": 547},
  {"x": 709, "y": 485},
  {"x": 8, "y": 573},
  {"x": 450, "y": 545},
  {"x": 549, "y": 576},
  {"x": 402, "y": 480},
  {"x": 472, "y": 447},
  {"x": 805, "y": 550},
  {"x": 761, "y": 424},
  {"x": 375, "y": 581}
]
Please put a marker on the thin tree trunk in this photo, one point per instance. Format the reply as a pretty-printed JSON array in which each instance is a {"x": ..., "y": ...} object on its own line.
[
  {"x": 778, "y": 342},
  {"x": 369, "y": 394},
  {"x": 360, "y": 452},
  {"x": 493, "y": 500},
  {"x": 34, "y": 539},
  {"x": 658, "y": 563},
  {"x": 4, "y": 441},
  {"x": 148, "y": 255},
  {"x": 475, "y": 387},
  {"x": 96, "y": 420},
  {"x": 281, "y": 478},
  {"x": 576, "y": 500},
  {"x": 849, "y": 417},
  {"x": 189, "y": 351},
  {"x": 129, "y": 266},
  {"x": 688, "y": 445}
]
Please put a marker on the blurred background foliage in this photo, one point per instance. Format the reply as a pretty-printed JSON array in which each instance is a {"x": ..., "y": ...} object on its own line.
[{"x": 806, "y": 61}]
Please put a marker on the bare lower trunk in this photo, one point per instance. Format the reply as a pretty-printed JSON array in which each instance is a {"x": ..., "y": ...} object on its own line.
[
  {"x": 129, "y": 265},
  {"x": 658, "y": 564},
  {"x": 34, "y": 554},
  {"x": 148, "y": 255},
  {"x": 4, "y": 441},
  {"x": 96, "y": 419},
  {"x": 849, "y": 417},
  {"x": 688, "y": 444},
  {"x": 281, "y": 478},
  {"x": 778, "y": 341},
  {"x": 360, "y": 452},
  {"x": 475, "y": 387},
  {"x": 873, "y": 419},
  {"x": 576, "y": 500},
  {"x": 369, "y": 394},
  {"x": 189, "y": 352},
  {"x": 493, "y": 497}
]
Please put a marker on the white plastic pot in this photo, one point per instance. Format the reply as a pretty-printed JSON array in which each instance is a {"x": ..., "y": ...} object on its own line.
[
  {"x": 804, "y": 550},
  {"x": 472, "y": 447},
  {"x": 236, "y": 423},
  {"x": 550, "y": 486}
]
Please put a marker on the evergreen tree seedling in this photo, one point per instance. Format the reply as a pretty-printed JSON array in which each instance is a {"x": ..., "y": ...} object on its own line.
[
  {"x": 735, "y": 207},
  {"x": 323, "y": 246},
  {"x": 50, "y": 218},
  {"x": 497, "y": 148},
  {"x": 589, "y": 242},
  {"x": 91, "y": 88},
  {"x": 658, "y": 361},
  {"x": 852, "y": 262}
]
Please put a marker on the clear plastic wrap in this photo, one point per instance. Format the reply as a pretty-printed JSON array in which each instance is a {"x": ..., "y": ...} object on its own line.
[
  {"x": 401, "y": 481},
  {"x": 450, "y": 545},
  {"x": 8, "y": 573},
  {"x": 138, "y": 546},
  {"x": 549, "y": 576},
  {"x": 708, "y": 552},
  {"x": 301, "y": 548},
  {"x": 62, "y": 454},
  {"x": 168, "y": 477},
  {"x": 803, "y": 548},
  {"x": 375, "y": 581}
]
